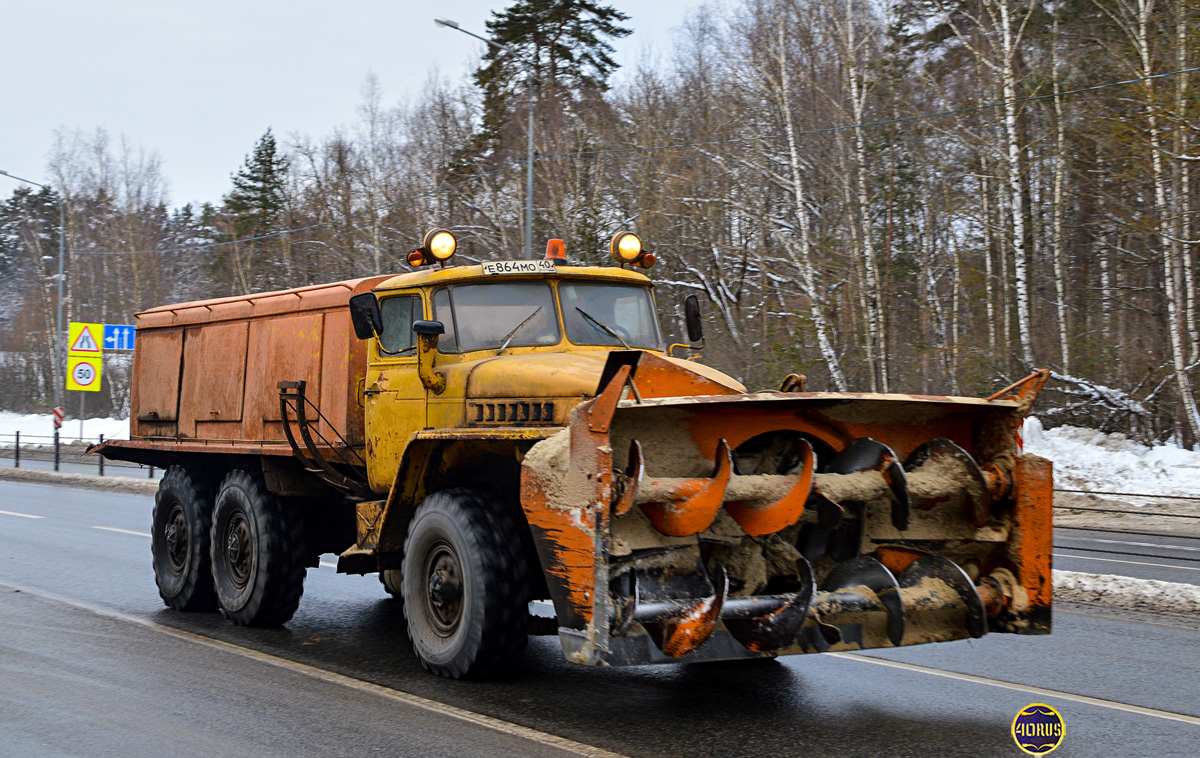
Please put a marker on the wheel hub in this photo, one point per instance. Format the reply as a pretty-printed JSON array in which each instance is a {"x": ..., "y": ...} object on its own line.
[
  {"x": 175, "y": 534},
  {"x": 444, "y": 589},
  {"x": 238, "y": 555}
]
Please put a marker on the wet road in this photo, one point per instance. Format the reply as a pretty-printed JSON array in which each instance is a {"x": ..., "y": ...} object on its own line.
[
  {"x": 96, "y": 674},
  {"x": 1145, "y": 555}
]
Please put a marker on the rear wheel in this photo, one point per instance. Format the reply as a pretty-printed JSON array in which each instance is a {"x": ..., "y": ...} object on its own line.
[
  {"x": 465, "y": 585},
  {"x": 391, "y": 579},
  {"x": 179, "y": 542},
  {"x": 258, "y": 550}
]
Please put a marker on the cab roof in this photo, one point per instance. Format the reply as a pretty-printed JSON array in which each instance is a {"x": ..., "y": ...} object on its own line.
[{"x": 453, "y": 274}]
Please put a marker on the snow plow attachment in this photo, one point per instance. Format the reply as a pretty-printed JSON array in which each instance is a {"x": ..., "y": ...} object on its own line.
[{"x": 723, "y": 526}]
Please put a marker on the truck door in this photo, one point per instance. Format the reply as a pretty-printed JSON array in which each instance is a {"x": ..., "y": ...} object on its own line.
[{"x": 394, "y": 398}]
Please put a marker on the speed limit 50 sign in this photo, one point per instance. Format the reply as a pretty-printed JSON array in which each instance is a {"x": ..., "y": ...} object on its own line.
[{"x": 84, "y": 373}]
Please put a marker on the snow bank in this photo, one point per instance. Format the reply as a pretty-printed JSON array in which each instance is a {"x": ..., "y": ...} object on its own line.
[
  {"x": 1089, "y": 460},
  {"x": 34, "y": 427},
  {"x": 1126, "y": 593}
]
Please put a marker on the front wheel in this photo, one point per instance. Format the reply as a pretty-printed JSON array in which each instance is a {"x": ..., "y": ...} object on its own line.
[
  {"x": 179, "y": 542},
  {"x": 258, "y": 549},
  {"x": 465, "y": 586}
]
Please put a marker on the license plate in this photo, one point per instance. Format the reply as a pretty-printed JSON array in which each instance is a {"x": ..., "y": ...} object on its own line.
[{"x": 519, "y": 267}]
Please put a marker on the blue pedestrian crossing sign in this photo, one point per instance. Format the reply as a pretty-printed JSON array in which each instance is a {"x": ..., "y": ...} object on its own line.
[{"x": 117, "y": 337}]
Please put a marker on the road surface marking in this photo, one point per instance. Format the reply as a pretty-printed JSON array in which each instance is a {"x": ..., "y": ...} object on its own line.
[
  {"x": 1038, "y": 691},
  {"x": 328, "y": 565},
  {"x": 1135, "y": 563},
  {"x": 1158, "y": 545},
  {"x": 122, "y": 531},
  {"x": 399, "y": 696},
  {"x": 22, "y": 515}
]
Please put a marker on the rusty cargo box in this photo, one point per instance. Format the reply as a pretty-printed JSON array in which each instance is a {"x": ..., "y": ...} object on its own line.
[{"x": 206, "y": 372}]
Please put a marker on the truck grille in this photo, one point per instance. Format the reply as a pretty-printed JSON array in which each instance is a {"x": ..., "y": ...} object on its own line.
[{"x": 511, "y": 412}]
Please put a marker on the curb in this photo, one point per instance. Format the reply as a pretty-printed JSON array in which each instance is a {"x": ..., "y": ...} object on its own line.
[{"x": 84, "y": 481}]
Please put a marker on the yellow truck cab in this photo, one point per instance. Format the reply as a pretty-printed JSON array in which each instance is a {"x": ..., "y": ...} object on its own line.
[{"x": 520, "y": 346}]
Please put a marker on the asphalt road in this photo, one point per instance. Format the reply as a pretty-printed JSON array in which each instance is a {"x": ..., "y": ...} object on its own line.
[
  {"x": 92, "y": 664},
  {"x": 1145, "y": 555}
]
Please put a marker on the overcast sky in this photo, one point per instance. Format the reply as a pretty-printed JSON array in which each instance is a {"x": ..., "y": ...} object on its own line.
[{"x": 199, "y": 82}]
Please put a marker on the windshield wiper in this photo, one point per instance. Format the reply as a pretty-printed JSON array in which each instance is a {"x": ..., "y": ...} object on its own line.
[
  {"x": 509, "y": 337},
  {"x": 608, "y": 329}
]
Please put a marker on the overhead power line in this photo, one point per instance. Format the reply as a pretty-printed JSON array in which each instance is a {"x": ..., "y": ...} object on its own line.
[{"x": 650, "y": 148}]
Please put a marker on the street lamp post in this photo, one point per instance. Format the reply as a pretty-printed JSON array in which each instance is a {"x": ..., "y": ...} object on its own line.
[
  {"x": 529, "y": 144},
  {"x": 62, "y": 247}
]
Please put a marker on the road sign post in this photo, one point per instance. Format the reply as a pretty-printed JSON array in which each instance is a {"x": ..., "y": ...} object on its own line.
[
  {"x": 83, "y": 374},
  {"x": 84, "y": 339},
  {"x": 85, "y": 358},
  {"x": 118, "y": 337}
]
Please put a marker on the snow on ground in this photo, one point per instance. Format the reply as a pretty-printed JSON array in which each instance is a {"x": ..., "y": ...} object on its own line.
[
  {"x": 1089, "y": 460},
  {"x": 37, "y": 428},
  {"x": 1126, "y": 592}
]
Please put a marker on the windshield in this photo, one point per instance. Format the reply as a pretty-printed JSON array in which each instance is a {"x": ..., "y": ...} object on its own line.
[
  {"x": 486, "y": 316},
  {"x": 626, "y": 310}
]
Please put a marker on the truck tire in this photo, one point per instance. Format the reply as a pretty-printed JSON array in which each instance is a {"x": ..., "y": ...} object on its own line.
[
  {"x": 391, "y": 579},
  {"x": 179, "y": 542},
  {"x": 257, "y": 553},
  {"x": 465, "y": 585}
]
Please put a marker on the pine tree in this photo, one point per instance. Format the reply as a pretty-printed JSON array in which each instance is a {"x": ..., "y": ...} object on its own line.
[
  {"x": 257, "y": 198},
  {"x": 253, "y": 208},
  {"x": 562, "y": 44}
]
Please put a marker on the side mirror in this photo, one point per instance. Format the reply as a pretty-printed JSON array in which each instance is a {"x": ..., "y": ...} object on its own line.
[
  {"x": 365, "y": 315},
  {"x": 428, "y": 328},
  {"x": 691, "y": 314},
  {"x": 427, "y": 338}
]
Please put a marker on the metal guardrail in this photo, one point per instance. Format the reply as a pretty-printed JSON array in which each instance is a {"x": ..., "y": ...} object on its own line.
[
  {"x": 1131, "y": 494},
  {"x": 37, "y": 445},
  {"x": 1128, "y": 511}
]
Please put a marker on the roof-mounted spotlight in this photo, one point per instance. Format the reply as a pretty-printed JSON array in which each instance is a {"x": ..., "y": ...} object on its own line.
[
  {"x": 437, "y": 247},
  {"x": 626, "y": 249}
]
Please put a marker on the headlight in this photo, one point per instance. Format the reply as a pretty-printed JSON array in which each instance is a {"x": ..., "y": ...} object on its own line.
[
  {"x": 625, "y": 247},
  {"x": 440, "y": 244}
]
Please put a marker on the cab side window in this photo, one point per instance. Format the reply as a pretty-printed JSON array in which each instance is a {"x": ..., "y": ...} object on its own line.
[{"x": 399, "y": 313}]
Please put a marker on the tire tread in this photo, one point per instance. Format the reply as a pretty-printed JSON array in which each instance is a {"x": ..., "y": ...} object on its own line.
[
  {"x": 495, "y": 531},
  {"x": 198, "y": 593},
  {"x": 279, "y": 580}
]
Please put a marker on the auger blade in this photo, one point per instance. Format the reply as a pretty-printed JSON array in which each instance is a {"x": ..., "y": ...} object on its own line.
[
  {"x": 866, "y": 454},
  {"x": 846, "y": 541},
  {"x": 678, "y": 638},
  {"x": 942, "y": 456},
  {"x": 946, "y": 570},
  {"x": 758, "y": 518},
  {"x": 631, "y": 481},
  {"x": 777, "y": 629},
  {"x": 692, "y": 507},
  {"x": 865, "y": 571},
  {"x": 814, "y": 538}
]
